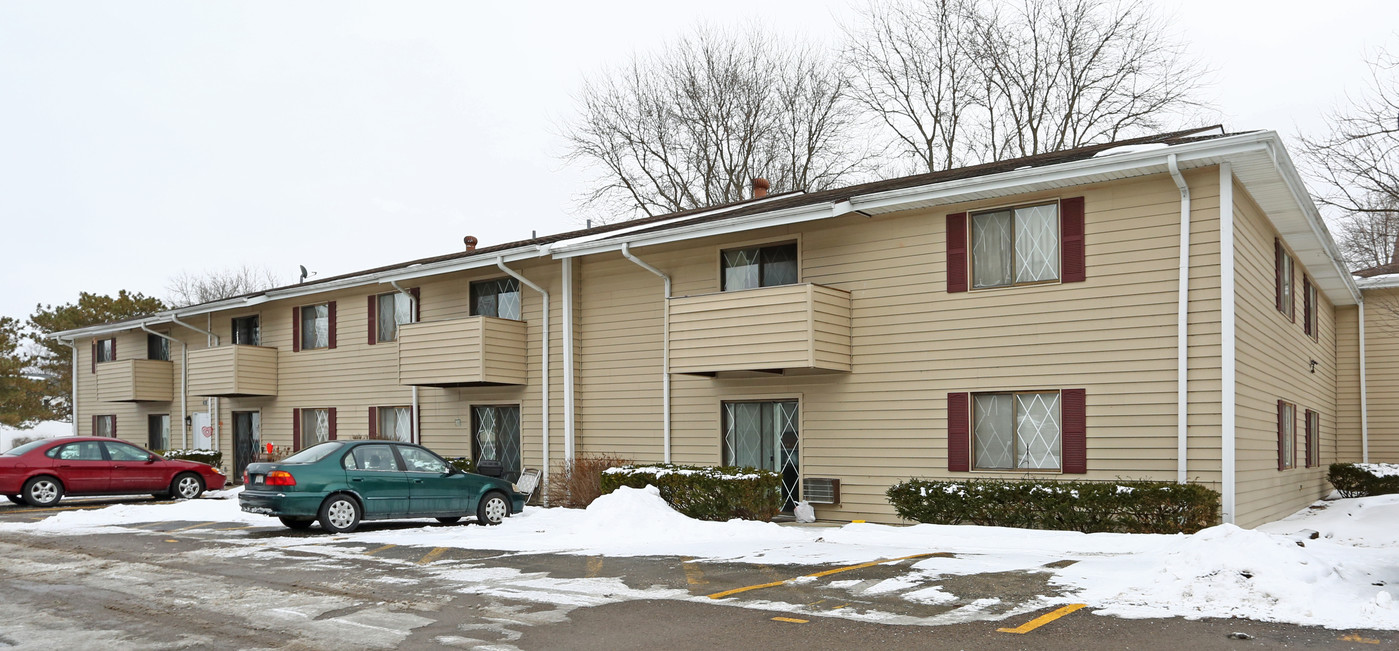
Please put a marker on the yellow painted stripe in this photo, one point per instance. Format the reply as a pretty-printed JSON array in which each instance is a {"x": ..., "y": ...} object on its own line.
[
  {"x": 694, "y": 575},
  {"x": 594, "y": 565},
  {"x": 193, "y": 526},
  {"x": 789, "y": 619},
  {"x": 251, "y": 526},
  {"x": 721, "y": 595},
  {"x": 1042, "y": 620},
  {"x": 378, "y": 549},
  {"x": 1352, "y": 637},
  {"x": 432, "y": 555}
]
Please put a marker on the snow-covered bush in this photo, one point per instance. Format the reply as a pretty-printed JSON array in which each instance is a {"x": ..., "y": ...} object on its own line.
[
  {"x": 1363, "y": 479},
  {"x": 1123, "y": 506},
  {"x": 704, "y": 492},
  {"x": 464, "y": 464},
  {"x": 211, "y": 457}
]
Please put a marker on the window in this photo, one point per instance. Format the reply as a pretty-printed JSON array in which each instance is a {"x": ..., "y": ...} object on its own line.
[
  {"x": 106, "y": 350},
  {"x": 394, "y": 424},
  {"x": 1313, "y": 438},
  {"x": 247, "y": 331},
  {"x": 125, "y": 452},
  {"x": 86, "y": 451},
  {"x": 765, "y": 435},
  {"x": 1017, "y": 431},
  {"x": 157, "y": 347},
  {"x": 759, "y": 266},
  {"x": 394, "y": 309},
  {"x": 1287, "y": 435},
  {"x": 376, "y": 457},
  {"x": 315, "y": 326},
  {"x": 158, "y": 431},
  {"x": 104, "y": 426},
  {"x": 498, "y": 298},
  {"x": 316, "y": 426},
  {"x": 312, "y": 455},
  {"x": 420, "y": 460},
  {"x": 1015, "y": 246},
  {"x": 496, "y": 437},
  {"x": 1285, "y": 269},
  {"x": 1309, "y": 321}
]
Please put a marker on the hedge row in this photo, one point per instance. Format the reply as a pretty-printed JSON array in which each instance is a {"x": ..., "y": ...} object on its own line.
[
  {"x": 211, "y": 457},
  {"x": 1362, "y": 479},
  {"x": 1125, "y": 506},
  {"x": 703, "y": 492},
  {"x": 464, "y": 464}
]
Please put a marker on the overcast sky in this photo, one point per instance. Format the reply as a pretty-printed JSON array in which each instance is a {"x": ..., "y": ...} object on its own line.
[{"x": 139, "y": 139}]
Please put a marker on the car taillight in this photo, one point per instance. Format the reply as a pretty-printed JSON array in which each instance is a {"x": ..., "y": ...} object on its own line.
[
  {"x": 280, "y": 478},
  {"x": 246, "y": 479}
]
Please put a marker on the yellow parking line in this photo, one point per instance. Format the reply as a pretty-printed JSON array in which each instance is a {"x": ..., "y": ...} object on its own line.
[
  {"x": 378, "y": 549},
  {"x": 694, "y": 574},
  {"x": 251, "y": 526},
  {"x": 432, "y": 555},
  {"x": 1042, "y": 620},
  {"x": 1352, "y": 637},
  {"x": 594, "y": 565},
  {"x": 193, "y": 526},
  {"x": 721, "y": 595},
  {"x": 790, "y": 620}
]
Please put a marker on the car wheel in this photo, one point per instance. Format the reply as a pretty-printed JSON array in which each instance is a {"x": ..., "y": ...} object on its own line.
[
  {"x": 186, "y": 486},
  {"x": 15, "y": 498},
  {"x": 43, "y": 491},
  {"x": 452, "y": 520},
  {"x": 297, "y": 523},
  {"x": 493, "y": 509},
  {"x": 340, "y": 514}
]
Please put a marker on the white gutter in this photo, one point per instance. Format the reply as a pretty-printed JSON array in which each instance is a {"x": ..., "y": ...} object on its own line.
[
  {"x": 1228, "y": 371},
  {"x": 184, "y": 382},
  {"x": 1182, "y": 322},
  {"x": 1364, "y": 396},
  {"x": 1298, "y": 188},
  {"x": 74, "y": 377},
  {"x": 544, "y": 357},
  {"x": 749, "y": 222},
  {"x": 665, "y": 349},
  {"x": 415, "y": 417},
  {"x": 568, "y": 372}
]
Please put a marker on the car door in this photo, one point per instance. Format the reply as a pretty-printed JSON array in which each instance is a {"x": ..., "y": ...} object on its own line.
[
  {"x": 374, "y": 472},
  {"x": 133, "y": 471},
  {"x": 433, "y": 490},
  {"x": 82, "y": 467}
]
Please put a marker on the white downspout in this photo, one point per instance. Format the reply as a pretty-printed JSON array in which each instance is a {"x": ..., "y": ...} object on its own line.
[
  {"x": 413, "y": 420},
  {"x": 665, "y": 349},
  {"x": 74, "y": 402},
  {"x": 1228, "y": 370},
  {"x": 544, "y": 358},
  {"x": 1182, "y": 322},
  {"x": 211, "y": 339},
  {"x": 568, "y": 388},
  {"x": 1364, "y": 398},
  {"x": 184, "y": 379}
]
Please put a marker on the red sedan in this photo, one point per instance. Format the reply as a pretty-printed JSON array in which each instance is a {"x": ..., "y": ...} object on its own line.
[{"x": 42, "y": 472}]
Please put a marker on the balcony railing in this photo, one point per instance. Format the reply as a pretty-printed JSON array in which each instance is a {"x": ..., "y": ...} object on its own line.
[
  {"x": 232, "y": 371},
  {"x": 789, "y": 328},
  {"x": 473, "y": 351},
  {"x": 136, "y": 380}
]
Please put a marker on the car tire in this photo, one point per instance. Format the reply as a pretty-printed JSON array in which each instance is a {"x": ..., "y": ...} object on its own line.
[
  {"x": 297, "y": 523},
  {"x": 339, "y": 514},
  {"x": 15, "y": 498},
  {"x": 43, "y": 491},
  {"x": 493, "y": 509},
  {"x": 451, "y": 520},
  {"x": 186, "y": 486}
]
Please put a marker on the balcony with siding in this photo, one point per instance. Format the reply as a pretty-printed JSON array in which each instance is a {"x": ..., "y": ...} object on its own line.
[
  {"x": 803, "y": 328},
  {"x": 474, "y": 351},
  {"x": 136, "y": 380},
  {"x": 233, "y": 371}
]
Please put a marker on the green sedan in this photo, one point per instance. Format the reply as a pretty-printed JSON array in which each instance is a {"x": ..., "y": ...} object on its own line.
[{"x": 340, "y": 483}]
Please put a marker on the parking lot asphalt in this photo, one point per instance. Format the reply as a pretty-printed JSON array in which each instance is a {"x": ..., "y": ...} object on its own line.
[{"x": 189, "y": 584}]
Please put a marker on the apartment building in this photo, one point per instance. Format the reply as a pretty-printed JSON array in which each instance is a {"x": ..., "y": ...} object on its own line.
[{"x": 1166, "y": 308}]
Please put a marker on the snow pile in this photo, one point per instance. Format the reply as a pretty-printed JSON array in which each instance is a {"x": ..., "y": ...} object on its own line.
[
  {"x": 661, "y": 471},
  {"x": 1361, "y": 522},
  {"x": 1380, "y": 469}
]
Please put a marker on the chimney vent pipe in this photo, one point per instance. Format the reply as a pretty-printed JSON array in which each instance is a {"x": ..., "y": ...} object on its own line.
[
  {"x": 470, "y": 241},
  {"x": 760, "y": 187}
]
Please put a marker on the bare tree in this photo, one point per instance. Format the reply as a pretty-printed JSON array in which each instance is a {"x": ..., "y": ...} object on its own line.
[
  {"x": 190, "y": 289},
  {"x": 1367, "y": 238},
  {"x": 692, "y": 126}
]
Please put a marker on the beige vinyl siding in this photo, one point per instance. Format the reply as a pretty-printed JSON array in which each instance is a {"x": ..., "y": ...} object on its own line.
[
  {"x": 454, "y": 351},
  {"x": 1381, "y": 379},
  {"x": 135, "y": 380},
  {"x": 131, "y": 415},
  {"x": 802, "y": 326},
  {"x": 912, "y": 343},
  {"x": 1348, "y": 439},
  {"x": 1274, "y": 358},
  {"x": 233, "y": 371}
]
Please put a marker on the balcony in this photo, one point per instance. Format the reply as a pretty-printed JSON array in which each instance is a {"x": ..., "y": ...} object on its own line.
[
  {"x": 474, "y": 351},
  {"x": 136, "y": 380},
  {"x": 233, "y": 371},
  {"x": 797, "y": 329}
]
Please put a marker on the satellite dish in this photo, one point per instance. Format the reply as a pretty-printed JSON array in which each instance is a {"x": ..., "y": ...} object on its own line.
[{"x": 304, "y": 274}]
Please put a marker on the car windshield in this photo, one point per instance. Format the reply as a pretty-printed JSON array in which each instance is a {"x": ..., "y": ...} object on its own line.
[
  {"x": 315, "y": 453},
  {"x": 14, "y": 452}
]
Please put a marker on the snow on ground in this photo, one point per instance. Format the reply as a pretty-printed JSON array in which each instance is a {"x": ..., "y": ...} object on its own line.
[
  {"x": 1345, "y": 577},
  {"x": 45, "y": 429}
]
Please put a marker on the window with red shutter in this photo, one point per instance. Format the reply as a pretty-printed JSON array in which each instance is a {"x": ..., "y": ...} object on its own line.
[
  {"x": 1074, "y": 413},
  {"x": 296, "y": 329},
  {"x": 373, "y": 319},
  {"x": 330, "y": 326},
  {"x": 331, "y": 418},
  {"x": 1306, "y": 305},
  {"x": 1287, "y": 435},
  {"x": 374, "y": 422},
  {"x": 1072, "y": 245},
  {"x": 295, "y": 429},
  {"x": 1307, "y": 449},
  {"x": 959, "y": 432},
  {"x": 957, "y": 253}
]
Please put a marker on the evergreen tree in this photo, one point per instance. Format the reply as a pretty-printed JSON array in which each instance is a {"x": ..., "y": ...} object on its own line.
[{"x": 21, "y": 403}]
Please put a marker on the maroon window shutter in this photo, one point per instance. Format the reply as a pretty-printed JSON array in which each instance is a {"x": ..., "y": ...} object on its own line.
[
  {"x": 295, "y": 329},
  {"x": 1071, "y": 244},
  {"x": 295, "y": 425},
  {"x": 1073, "y": 408},
  {"x": 330, "y": 323},
  {"x": 1292, "y": 304},
  {"x": 1307, "y": 305},
  {"x": 1282, "y": 462},
  {"x": 959, "y": 432},
  {"x": 114, "y": 349},
  {"x": 330, "y": 416},
  {"x": 1308, "y": 444},
  {"x": 94, "y": 426},
  {"x": 957, "y": 253},
  {"x": 94, "y": 356},
  {"x": 373, "y": 319},
  {"x": 374, "y": 422},
  {"x": 1277, "y": 271},
  {"x": 417, "y": 304},
  {"x": 418, "y": 418},
  {"x": 113, "y": 433}
]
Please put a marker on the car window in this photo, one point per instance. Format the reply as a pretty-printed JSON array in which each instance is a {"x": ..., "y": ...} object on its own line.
[
  {"x": 314, "y": 453},
  {"x": 375, "y": 457},
  {"x": 85, "y": 451},
  {"x": 124, "y": 452},
  {"x": 348, "y": 462},
  {"x": 16, "y": 451},
  {"x": 420, "y": 460}
]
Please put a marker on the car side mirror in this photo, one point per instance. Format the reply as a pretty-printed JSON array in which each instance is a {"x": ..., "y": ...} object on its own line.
[
  {"x": 150, "y": 458},
  {"x": 451, "y": 470}
]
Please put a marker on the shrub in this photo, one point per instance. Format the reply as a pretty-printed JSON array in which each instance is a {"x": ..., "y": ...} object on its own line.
[
  {"x": 577, "y": 483},
  {"x": 1362, "y": 479},
  {"x": 704, "y": 492},
  {"x": 1126, "y": 506},
  {"x": 211, "y": 457},
  {"x": 464, "y": 464}
]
